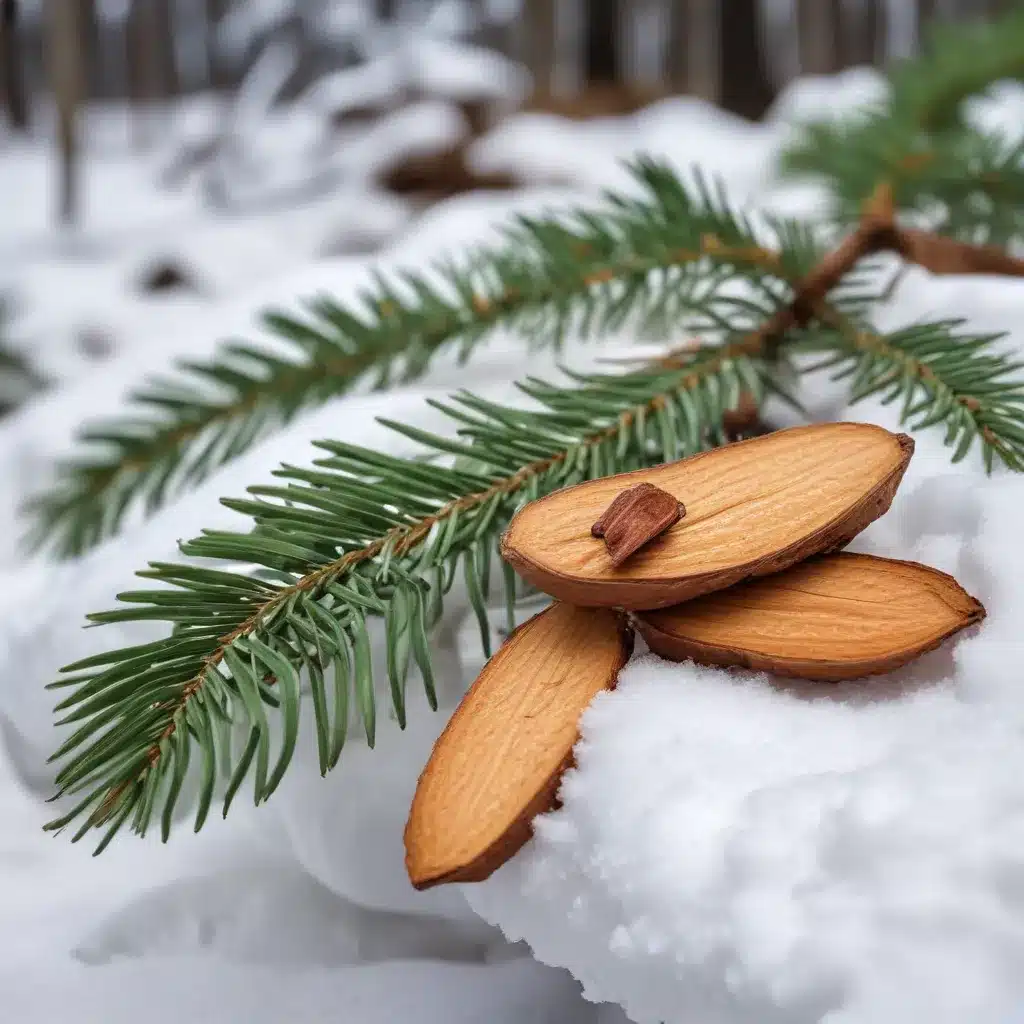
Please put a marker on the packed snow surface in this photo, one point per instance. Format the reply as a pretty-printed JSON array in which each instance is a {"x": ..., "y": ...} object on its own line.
[{"x": 730, "y": 850}]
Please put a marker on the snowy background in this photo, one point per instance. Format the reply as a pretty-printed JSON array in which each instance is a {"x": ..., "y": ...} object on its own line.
[{"x": 730, "y": 851}]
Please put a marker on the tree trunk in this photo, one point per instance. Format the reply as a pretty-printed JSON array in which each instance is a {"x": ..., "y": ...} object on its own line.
[
  {"x": 163, "y": 18},
  {"x": 89, "y": 43},
  {"x": 677, "y": 45},
  {"x": 12, "y": 66},
  {"x": 705, "y": 53},
  {"x": 865, "y": 42},
  {"x": 693, "y": 61},
  {"x": 602, "y": 58},
  {"x": 841, "y": 49},
  {"x": 927, "y": 12},
  {"x": 66, "y": 76},
  {"x": 816, "y": 34},
  {"x": 215, "y": 10},
  {"x": 879, "y": 19},
  {"x": 746, "y": 89},
  {"x": 540, "y": 24},
  {"x": 146, "y": 71}
]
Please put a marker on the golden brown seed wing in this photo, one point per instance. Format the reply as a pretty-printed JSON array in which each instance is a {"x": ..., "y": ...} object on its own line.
[
  {"x": 839, "y": 616},
  {"x": 752, "y": 508},
  {"x": 498, "y": 763}
]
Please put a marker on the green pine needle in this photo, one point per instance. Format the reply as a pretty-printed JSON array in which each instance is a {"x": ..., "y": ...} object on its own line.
[
  {"x": 639, "y": 260},
  {"x": 365, "y": 535},
  {"x": 362, "y": 535},
  {"x": 939, "y": 373},
  {"x": 957, "y": 179},
  {"x": 363, "y": 539},
  {"x": 18, "y": 378}
]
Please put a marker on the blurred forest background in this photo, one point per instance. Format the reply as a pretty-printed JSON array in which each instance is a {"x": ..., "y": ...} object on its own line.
[
  {"x": 161, "y": 157},
  {"x": 584, "y": 58}
]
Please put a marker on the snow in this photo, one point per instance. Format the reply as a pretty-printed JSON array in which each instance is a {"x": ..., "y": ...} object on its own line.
[
  {"x": 244, "y": 22},
  {"x": 819, "y": 96},
  {"x": 730, "y": 850},
  {"x": 430, "y": 66},
  {"x": 43, "y": 430},
  {"x": 537, "y": 147},
  {"x": 461, "y": 71},
  {"x": 417, "y": 129},
  {"x": 371, "y": 84}
]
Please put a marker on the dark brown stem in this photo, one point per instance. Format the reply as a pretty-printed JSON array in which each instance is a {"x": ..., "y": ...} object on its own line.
[
  {"x": 942, "y": 255},
  {"x": 878, "y": 232}
]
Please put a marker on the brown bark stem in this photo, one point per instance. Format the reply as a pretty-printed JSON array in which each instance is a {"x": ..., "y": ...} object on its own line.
[
  {"x": 876, "y": 232},
  {"x": 942, "y": 255}
]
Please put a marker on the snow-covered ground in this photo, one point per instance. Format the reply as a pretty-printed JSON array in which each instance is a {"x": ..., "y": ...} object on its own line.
[{"x": 728, "y": 852}]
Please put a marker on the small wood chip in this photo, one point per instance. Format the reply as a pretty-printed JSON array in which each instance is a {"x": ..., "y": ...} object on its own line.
[{"x": 634, "y": 518}]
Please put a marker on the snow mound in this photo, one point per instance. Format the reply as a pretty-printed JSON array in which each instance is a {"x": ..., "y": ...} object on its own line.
[
  {"x": 814, "y": 97},
  {"x": 732, "y": 849},
  {"x": 684, "y": 131}
]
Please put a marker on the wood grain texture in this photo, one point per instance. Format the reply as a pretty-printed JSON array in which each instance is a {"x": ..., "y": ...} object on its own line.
[
  {"x": 835, "y": 617},
  {"x": 498, "y": 762},
  {"x": 753, "y": 508}
]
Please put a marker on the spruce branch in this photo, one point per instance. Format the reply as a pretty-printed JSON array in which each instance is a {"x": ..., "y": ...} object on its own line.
[
  {"x": 362, "y": 534},
  {"x": 940, "y": 373},
  {"x": 878, "y": 231},
  {"x": 18, "y": 378},
  {"x": 956, "y": 179},
  {"x": 366, "y": 534},
  {"x": 643, "y": 260}
]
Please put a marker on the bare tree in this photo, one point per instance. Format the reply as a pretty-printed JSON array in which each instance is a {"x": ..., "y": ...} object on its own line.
[
  {"x": 601, "y": 42},
  {"x": 540, "y": 42},
  {"x": 12, "y": 67},
  {"x": 746, "y": 89},
  {"x": 694, "y": 49},
  {"x": 66, "y": 78}
]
